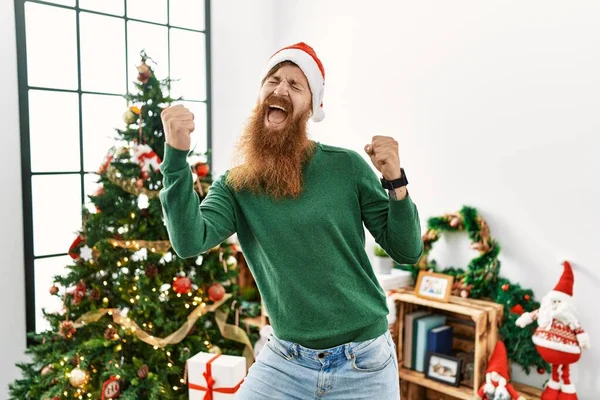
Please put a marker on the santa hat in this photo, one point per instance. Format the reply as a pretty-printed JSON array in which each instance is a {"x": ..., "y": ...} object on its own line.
[
  {"x": 563, "y": 290},
  {"x": 306, "y": 59},
  {"x": 499, "y": 361}
]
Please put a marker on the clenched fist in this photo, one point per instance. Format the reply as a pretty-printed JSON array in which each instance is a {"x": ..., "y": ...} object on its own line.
[
  {"x": 178, "y": 123},
  {"x": 383, "y": 152}
]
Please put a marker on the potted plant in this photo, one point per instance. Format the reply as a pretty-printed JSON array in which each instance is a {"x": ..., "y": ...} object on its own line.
[{"x": 383, "y": 262}]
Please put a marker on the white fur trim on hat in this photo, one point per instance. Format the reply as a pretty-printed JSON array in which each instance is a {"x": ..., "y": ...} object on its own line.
[{"x": 312, "y": 72}]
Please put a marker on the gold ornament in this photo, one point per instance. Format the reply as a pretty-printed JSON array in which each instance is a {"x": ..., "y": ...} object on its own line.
[
  {"x": 78, "y": 377},
  {"x": 129, "y": 117}
]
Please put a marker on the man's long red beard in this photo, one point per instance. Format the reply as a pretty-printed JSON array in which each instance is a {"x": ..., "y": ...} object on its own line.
[{"x": 274, "y": 159}]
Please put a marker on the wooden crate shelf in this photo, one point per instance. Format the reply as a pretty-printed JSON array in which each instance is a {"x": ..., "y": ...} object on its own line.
[
  {"x": 487, "y": 317},
  {"x": 418, "y": 378}
]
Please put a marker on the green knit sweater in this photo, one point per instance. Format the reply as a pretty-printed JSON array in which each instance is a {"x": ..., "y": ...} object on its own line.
[{"x": 307, "y": 255}]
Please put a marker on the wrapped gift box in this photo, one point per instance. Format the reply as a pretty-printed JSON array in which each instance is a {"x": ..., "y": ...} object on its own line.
[
  {"x": 396, "y": 279},
  {"x": 220, "y": 373}
]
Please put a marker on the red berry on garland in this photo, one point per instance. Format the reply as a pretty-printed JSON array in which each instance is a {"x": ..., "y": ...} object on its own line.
[
  {"x": 527, "y": 297},
  {"x": 518, "y": 309},
  {"x": 541, "y": 370},
  {"x": 182, "y": 285},
  {"x": 216, "y": 291},
  {"x": 505, "y": 287}
]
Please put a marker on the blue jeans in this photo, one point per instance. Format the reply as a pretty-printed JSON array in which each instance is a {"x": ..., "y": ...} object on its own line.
[{"x": 356, "y": 370}]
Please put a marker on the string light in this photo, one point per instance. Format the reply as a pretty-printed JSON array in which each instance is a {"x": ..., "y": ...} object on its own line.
[{"x": 105, "y": 283}]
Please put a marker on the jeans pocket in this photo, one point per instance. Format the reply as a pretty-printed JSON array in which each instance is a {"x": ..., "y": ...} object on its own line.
[{"x": 373, "y": 357}]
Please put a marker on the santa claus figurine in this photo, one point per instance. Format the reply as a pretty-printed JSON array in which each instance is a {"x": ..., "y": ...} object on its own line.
[
  {"x": 559, "y": 338},
  {"x": 496, "y": 386}
]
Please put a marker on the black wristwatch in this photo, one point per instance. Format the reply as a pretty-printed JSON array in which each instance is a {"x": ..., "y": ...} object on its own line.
[{"x": 396, "y": 183}]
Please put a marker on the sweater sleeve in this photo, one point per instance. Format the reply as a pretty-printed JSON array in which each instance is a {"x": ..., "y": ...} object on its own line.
[
  {"x": 394, "y": 224},
  {"x": 193, "y": 227}
]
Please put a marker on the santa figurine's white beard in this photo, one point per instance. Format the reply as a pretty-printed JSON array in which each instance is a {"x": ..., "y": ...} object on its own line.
[{"x": 564, "y": 313}]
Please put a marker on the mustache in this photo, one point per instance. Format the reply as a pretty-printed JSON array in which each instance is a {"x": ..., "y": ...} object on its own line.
[{"x": 275, "y": 100}]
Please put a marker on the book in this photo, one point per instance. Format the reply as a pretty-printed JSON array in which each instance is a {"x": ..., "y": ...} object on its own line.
[
  {"x": 409, "y": 324},
  {"x": 420, "y": 345},
  {"x": 439, "y": 340}
]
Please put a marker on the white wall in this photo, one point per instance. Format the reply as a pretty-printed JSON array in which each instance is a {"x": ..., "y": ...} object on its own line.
[
  {"x": 242, "y": 39},
  {"x": 12, "y": 285},
  {"x": 492, "y": 103}
]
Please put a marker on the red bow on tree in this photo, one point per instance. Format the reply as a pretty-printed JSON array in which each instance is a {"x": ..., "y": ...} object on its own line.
[{"x": 210, "y": 382}]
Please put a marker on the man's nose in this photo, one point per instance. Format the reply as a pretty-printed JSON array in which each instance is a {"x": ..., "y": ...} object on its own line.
[{"x": 281, "y": 89}]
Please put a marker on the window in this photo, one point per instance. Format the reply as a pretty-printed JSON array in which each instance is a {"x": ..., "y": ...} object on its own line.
[{"x": 77, "y": 58}]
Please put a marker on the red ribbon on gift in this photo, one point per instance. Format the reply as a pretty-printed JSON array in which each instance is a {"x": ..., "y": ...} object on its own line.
[{"x": 210, "y": 382}]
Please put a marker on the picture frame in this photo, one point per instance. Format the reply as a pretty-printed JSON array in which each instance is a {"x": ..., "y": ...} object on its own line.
[
  {"x": 443, "y": 368},
  {"x": 433, "y": 286}
]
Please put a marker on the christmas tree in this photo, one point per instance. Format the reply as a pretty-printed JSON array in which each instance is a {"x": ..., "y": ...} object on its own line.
[{"x": 133, "y": 312}]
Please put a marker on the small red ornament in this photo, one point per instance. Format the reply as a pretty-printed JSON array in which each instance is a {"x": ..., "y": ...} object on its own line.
[
  {"x": 505, "y": 287},
  {"x": 182, "y": 285},
  {"x": 53, "y": 289},
  {"x": 527, "y": 297},
  {"x": 144, "y": 72},
  {"x": 541, "y": 370},
  {"x": 216, "y": 291},
  {"x": 139, "y": 183},
  {"x": 201, "y": 169},
  {"x": 518, "y": 309},
  {"x": 111, "y": 389}
]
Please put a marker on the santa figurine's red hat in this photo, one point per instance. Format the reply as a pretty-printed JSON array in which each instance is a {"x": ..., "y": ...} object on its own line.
[
  {"x": 563, "y": 290},
  {"x": 498, "y": 362},
  {"x": 306, "y": 59}
]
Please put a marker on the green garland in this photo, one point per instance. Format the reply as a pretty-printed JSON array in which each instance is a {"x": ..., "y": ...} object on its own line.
[{"x": 481, "y": 280}]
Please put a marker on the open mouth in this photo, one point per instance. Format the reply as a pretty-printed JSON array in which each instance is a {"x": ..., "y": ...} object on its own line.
[{"x": 276, "y": 115}]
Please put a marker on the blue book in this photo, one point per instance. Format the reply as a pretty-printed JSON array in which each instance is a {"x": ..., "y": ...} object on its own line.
[
  {"x": 424, "y": 325},
  {"x": 439, "y": 340}
]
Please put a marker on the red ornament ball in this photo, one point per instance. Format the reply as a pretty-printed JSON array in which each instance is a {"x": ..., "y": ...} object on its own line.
[
  {"x": 527, "y": 297},
  {"x": 201, "y": 169},
  {"x": 216, "y": 291},
  {"x": 182, "y": 285},
  {"x": 505, "y": 287},
  {"x": 53, "y": 289},
  {"x": 541, "y": 370}
]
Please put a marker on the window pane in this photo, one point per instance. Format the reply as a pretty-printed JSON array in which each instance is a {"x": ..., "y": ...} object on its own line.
[
  {"x": 187, "y": 13},
  {"x": 188, "y": 64},
  {"x": 153, "y": 39},
  {"x": 199, "y": 135},
  {"x": 51, "y": 46},
  {"x": 56, "y": 201},
  {"x": 102, "y": 55},
  {"x": 153, "y": 11},
  {"x": 90, "y": 185},
  {"x": 45, "y": 270},
  {"x": 115, "y": 7},
  {"x": 54, "y": 131},
  {"x": 101, "y": 115},
  {"x": 70, "y": 3}
]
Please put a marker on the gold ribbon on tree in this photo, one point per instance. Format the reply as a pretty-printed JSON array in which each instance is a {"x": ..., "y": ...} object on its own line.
[
  {"x": 130, "y": 186},
  {"x": 228, "y": 331},
  {"x": 162, "y": 246}
]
